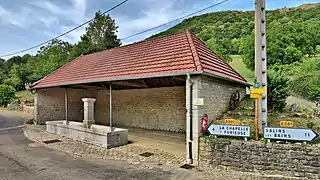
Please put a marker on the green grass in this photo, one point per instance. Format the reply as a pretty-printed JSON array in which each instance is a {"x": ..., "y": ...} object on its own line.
[
  {"x": 24, "y": 96},
  {"x": 239, "y": 66}
]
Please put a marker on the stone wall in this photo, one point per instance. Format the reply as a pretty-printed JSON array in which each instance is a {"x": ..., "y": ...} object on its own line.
[
  {"x": 50, "y": 104},
  {"x": 216, "y": 94},
  {"x": 14, "y": 107},
  {"x": 152, "y": 108},
  {"x": 24, "y": 108},
  {"x": 292, "y": 160},
  {"x": 156, "y": 108},
  {"x": 28, "y": 109}
]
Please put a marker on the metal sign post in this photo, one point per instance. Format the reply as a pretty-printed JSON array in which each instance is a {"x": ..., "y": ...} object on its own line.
[
  {"x": 256, "y": 118},
  {"x": 257, "y": 93}
]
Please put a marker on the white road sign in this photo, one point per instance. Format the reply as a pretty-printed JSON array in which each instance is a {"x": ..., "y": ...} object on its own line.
[
  {"x": 294, "y": 134},
  {"x": 229, "y": 130},
  {"x": 198, "y": 101}
]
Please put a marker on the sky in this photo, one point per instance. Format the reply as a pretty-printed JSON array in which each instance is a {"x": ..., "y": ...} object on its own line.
[{"x": 24, "y": 24}]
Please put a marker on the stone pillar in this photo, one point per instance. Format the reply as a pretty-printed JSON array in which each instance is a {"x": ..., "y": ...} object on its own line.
[
  {"x": 36, "y": 109},
  {"x": 197, "y": 113},
  {"x": 88, "y": 111}
]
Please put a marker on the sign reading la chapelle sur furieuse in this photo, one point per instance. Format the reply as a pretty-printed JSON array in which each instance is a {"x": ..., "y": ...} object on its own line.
[{"x": 229, "y": 130}]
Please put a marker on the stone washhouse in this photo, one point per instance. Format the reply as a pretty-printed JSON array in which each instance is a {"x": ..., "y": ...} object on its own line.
[{"x": 166, "y": 83}]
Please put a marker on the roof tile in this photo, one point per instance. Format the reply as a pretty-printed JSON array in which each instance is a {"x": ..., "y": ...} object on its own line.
[{"x": 178, "y": 53}]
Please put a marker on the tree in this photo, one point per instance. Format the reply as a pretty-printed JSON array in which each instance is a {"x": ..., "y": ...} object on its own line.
[
  {"x": 288, "y": 40},
  {"x": 7, "y": 94},
  {"x": 291, "y": 55},
  {"x": 277, "y": 90},
  {"x": 100, "y": 35},
  {"x": 247, "y": 51},
  {"x": 17, "y": 77},
  {"x": 2, "y": 70},
  {"x": 48, "y": 59},
  {"x": 220, "y": 47}
]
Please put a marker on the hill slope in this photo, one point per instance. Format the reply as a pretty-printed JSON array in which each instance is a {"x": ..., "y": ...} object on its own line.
[{"x": 225, "y": 32}]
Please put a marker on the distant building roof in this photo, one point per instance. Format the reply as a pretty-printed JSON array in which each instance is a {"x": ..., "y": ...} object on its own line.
[{"x": 180, "y": 53}]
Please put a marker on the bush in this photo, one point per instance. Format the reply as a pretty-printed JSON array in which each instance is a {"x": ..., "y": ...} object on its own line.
[
  {"x": 304, "y": 78},
  {"x": 7, "y": 94},
  {"x": 277, "y": 90},
  {"x": 307, "y": 84},
  {"x": 310, "y": 124},
  {"x": 15, "y": 100},
  {"x": 314, "y": 93}
]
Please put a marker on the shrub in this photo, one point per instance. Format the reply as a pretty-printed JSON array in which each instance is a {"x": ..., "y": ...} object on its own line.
[
  {"x": 304, "y": 78},
  {"x": 15, "y": 100},
  {"x": 277, "y": 90},
  {"x": 314, "y": 93},
  {"x": 7, "y": 94},
  {"x": 310, "y": 124},
  {"x": 307, "y": 84}
]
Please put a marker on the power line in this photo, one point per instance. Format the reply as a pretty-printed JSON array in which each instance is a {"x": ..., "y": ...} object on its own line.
[
  {"x": 221, "y": 2},
  {"x": 211, "y": 6},
  {"x": 114, "y": 7}
]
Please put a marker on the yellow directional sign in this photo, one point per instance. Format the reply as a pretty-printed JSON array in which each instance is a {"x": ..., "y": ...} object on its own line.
[
  {"x": 231, "y": 121},
  {"x": 259, "y": 91},
  {"x": 255, "y": 96},
  {"x": 286, "y": 123}
]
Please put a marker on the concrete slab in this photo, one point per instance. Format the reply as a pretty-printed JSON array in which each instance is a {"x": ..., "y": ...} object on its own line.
[
  {"x": 165, "y": 141},
  {"x": 97, "y": 134}
]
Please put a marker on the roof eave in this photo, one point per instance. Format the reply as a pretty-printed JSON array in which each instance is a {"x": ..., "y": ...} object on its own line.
[
  {"x": 226, "y": 79},
  {"x": 118, "y": 79}
]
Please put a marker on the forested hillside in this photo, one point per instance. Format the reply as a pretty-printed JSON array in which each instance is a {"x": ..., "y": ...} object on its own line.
[
  {"x": 293, "y": 41},
  {"x": 292, "y": 32}
]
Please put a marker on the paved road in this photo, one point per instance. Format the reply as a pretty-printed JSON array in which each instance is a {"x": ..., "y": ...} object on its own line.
[{"x": 21, "y": 158}]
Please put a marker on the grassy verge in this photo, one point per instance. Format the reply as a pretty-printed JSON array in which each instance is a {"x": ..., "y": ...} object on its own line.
[{"x": 240, "y": 67}]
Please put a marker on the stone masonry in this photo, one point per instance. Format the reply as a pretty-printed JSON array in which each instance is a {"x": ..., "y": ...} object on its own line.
[
  {"x": 50, "y": 104},
  {"x": 156, "y": 108},
  {"x": 290, "y": 160},
  {"x": 152, "y": 108},
  {"x": 216, "y": 94}
]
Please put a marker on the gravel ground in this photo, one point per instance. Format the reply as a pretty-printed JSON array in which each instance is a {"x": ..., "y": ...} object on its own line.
[
  {"x": 25, "y": 159},
  {"x": 130, "y": 153},
  {"x": 30, "y": 158}
]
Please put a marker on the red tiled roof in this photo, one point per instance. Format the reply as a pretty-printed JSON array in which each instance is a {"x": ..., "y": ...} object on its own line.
[{"x": 175, "y": 54}]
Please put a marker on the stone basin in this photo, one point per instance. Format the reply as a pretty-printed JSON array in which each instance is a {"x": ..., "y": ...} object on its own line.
[{"x": 96, "y": 134}]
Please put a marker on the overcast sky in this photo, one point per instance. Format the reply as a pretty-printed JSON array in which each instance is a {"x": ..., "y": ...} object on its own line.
[{"x": 25, "y": 23}]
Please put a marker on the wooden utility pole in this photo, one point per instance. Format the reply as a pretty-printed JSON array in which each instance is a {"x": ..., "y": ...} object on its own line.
[{"x": 261, "y": 59}]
